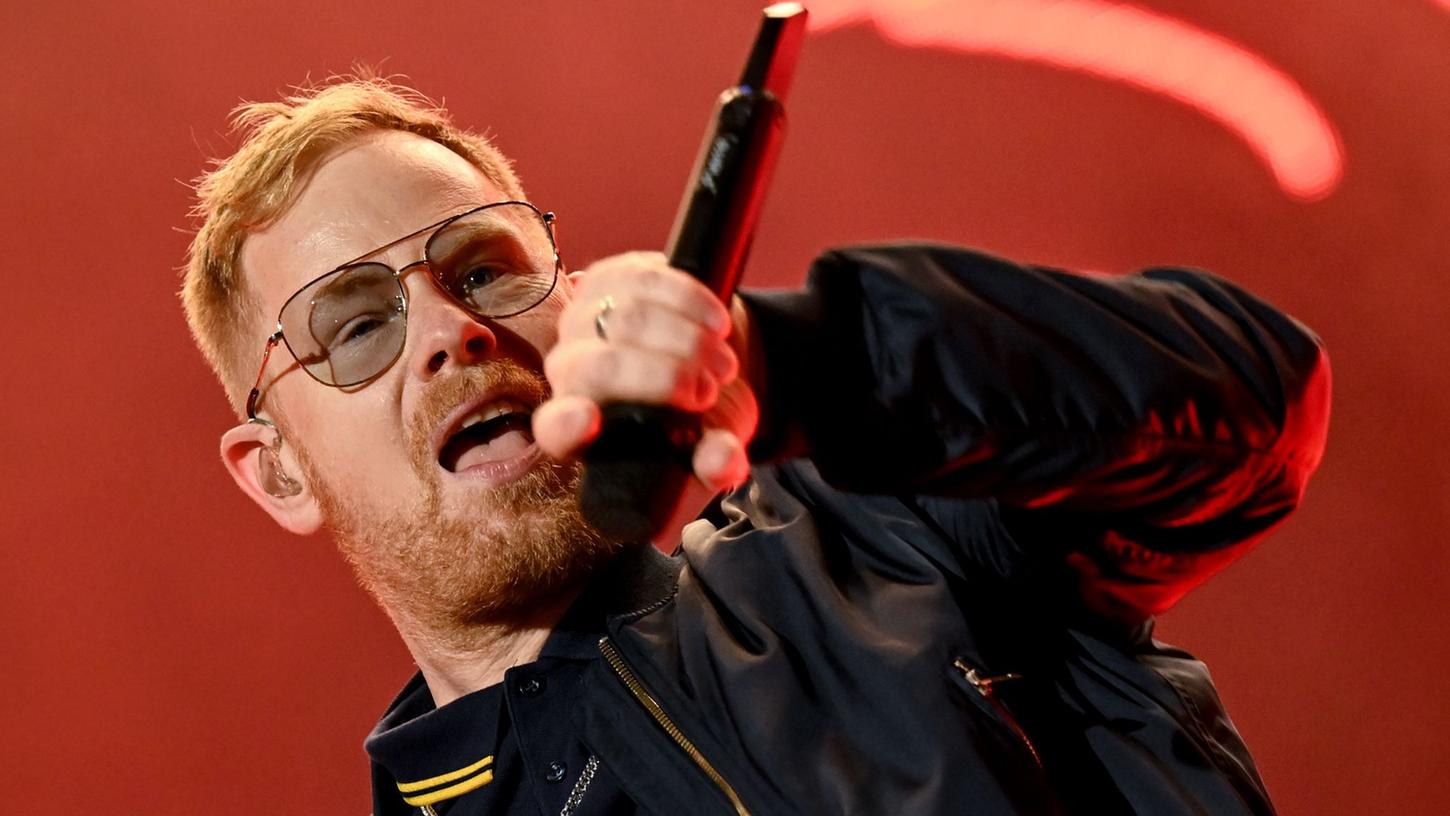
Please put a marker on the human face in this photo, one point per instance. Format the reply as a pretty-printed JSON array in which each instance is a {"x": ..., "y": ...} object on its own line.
[{"x": 432, "y": 527}]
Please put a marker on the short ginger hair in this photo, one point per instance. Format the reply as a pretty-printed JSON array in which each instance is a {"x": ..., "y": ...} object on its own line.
[{"x": 281, "y": 144}]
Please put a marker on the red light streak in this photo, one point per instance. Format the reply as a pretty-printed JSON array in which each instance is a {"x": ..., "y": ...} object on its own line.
[{"x": 1210, "y": 73}]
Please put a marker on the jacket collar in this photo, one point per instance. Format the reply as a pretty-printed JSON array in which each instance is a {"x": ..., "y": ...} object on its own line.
[{"x": 638, "y": 579}]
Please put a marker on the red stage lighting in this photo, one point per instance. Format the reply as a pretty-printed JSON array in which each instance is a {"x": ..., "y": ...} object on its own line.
[{"x": 1220, "y": 78}]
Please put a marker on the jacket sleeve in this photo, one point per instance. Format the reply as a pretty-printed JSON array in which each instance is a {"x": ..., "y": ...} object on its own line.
[{"x": 1151, "y": 426}]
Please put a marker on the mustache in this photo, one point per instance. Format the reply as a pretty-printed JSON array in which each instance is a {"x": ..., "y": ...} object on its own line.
[{"x": 462, "y": 385}]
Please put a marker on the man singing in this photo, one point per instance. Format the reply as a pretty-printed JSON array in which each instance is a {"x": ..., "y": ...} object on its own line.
[{"x": 938, "y": 502}]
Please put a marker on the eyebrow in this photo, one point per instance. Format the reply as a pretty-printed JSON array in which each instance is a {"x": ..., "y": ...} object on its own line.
[
  {"x": 345, "y": 284},
  {"x": 494, "y": 232},
  {"x": 409, "y": 236}
]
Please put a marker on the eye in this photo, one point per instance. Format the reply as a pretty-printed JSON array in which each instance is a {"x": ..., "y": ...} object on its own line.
[
  {"x": 480, "y": 277},
  {"x": 356, "y": 329}
]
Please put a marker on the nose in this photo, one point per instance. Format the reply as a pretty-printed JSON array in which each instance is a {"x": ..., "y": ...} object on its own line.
[{"x": 445, "y": 334}]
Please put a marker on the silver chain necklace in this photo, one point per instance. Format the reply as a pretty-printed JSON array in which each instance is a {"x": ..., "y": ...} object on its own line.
[{"x": 576, "y": 796}]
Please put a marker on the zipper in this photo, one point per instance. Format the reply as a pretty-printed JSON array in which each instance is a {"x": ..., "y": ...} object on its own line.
[
  {"x": 616, "y": 662},
  {"x": 984, "y": 687}
]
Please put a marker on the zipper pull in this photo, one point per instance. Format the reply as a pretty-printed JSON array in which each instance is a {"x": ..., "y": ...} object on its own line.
[{"x": 982, "y": 684}]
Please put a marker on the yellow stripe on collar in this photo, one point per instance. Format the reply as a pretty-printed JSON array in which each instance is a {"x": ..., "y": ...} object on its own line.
[
  {"x": 433, "y": 781},
  {"x": 451, "y": 791}
]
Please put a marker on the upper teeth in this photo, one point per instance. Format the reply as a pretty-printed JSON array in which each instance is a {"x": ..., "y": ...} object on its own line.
[{"x": 493, "y": 410}]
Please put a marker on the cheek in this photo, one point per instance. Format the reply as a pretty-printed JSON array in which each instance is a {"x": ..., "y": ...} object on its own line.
[
  {"x": 527, "y": 338},
  {"x": 547, "y": 336},
  {"x": 541, "y": 325},
  {"x": 357, "y": 443}
]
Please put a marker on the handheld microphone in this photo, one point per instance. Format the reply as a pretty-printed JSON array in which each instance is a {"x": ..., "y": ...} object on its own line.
[{"x": 636, "y": 469}]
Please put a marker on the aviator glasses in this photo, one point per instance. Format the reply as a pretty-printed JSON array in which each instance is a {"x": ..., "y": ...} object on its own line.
[{"x": 348, "y": 326}]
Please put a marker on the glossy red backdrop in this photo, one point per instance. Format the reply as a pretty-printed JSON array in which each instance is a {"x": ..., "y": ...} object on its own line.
[{"x": 165, "y": 650}]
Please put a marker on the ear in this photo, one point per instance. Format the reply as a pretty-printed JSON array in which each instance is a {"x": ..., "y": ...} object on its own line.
[{"x": 242, "y": 450}]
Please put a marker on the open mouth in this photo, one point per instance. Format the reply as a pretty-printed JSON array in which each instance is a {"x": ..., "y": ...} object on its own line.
[{"x": 497, "y": 431}]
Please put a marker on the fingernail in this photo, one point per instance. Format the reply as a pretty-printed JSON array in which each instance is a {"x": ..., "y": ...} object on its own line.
[
  {"x": 719, "y": 320},
  {"x": 725, "y": 367},
  {"x": 716, "y": 462},
  {"x": 579, "y": 421},
  {"x": 706, "y": 390}
]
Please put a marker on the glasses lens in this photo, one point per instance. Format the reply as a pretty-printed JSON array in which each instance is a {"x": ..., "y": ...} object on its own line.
[
  {"x": 496, "y": 262},
  {"x": 348, "y": 327}
]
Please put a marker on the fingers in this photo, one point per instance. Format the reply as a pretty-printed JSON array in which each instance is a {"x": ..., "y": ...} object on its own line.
[
  {"x": 719, "y": 460},
  {"x": 632, "y": 280},
  {"x": 664, "y": 337},
  {"x": 605, "y": 372},
  {"x": 667, "y": 341},
  {"x": 634, "y": 322},
  {"x": 564, "y": 426}
]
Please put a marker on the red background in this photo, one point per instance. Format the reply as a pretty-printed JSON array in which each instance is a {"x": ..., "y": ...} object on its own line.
[{"x": 167, "y": 651}]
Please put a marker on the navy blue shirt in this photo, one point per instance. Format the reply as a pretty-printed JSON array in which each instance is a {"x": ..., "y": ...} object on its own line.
[{"x": 511, "y": 748}]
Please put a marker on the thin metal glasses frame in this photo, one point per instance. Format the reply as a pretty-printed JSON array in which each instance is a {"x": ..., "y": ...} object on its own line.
[{"x": 278, "y": 336}]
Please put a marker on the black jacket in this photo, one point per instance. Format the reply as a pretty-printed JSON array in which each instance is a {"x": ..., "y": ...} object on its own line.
[
  {"x": 979, "y": 482},
  {"x": 984, "y": 472}
]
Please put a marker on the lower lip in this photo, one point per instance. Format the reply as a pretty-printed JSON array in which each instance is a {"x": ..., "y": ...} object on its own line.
[{"x": 503, "y": 471}]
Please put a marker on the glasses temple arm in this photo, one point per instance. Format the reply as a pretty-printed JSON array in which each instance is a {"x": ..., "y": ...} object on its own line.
[{"x": 256, "y": 391}]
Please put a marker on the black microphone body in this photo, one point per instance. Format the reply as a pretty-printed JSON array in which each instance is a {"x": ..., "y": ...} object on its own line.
[{"x": 636, "y": 469}]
